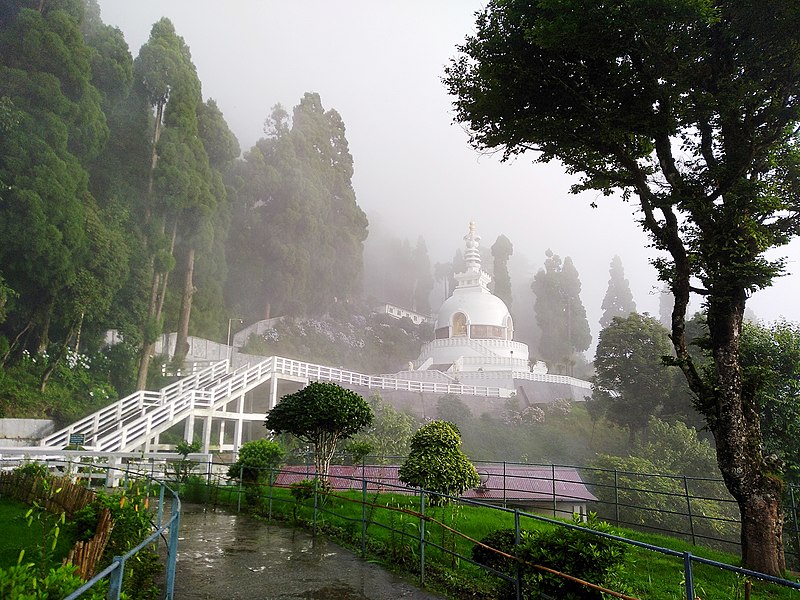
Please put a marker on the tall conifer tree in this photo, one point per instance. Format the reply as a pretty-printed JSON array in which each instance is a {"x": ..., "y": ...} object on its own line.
[
  {"x": 502, "y": 250},
  {"x": 560, "y": 313},
  {"x": 618, "y": 301}
]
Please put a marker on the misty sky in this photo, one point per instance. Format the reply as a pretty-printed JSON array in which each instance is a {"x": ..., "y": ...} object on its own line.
[{"x": 379, "y": 64}]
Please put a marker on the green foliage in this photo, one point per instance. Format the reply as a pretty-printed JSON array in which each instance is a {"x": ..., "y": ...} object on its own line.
[
  {"x": 129, "y": 512},
  {"x": 22, "y": 582},
  {"x": 437, "y": 464},
  {"x": 502, "y": 249},
  {"x": 303, "y": 490},
  {"x": 33, "y": 469},
  {"x": 453, "y": 409},
  {"x": 390, "y": 432},
  {"x": 256, "y": 460},
  {"x": 611, "y": 90},
  {"x": 771, "y": 361},
  {"x": 652, "y": 488},
  {"x": 575, "y": 552},
  {"x": 48, "y": 524},
  {"x": 618, "y": 301},
  {"x": 186, "y": 448},
  {"x": 560, "y": 313},
  {"x": 301, "y": 252},
  {"x": 78, "y": 386},
  {"x": 321, "y": 414},
  {"x": 631, "y": 382},
  {"x": 650, "y": 497},
  {"x": 358, "y": 451},
  {"x": 184, "y": 467}
]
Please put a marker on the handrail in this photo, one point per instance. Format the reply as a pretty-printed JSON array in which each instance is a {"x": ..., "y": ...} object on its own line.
[
  {"x": 125, "y": 423},
  {"x": 93, "y": 424}
]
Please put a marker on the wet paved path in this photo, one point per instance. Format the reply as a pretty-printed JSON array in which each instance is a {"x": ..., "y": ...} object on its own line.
[{"x": 236, "y": 557}]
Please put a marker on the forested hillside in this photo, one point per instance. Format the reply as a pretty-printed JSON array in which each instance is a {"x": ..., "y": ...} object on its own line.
[{"x": 126, "y": 202}]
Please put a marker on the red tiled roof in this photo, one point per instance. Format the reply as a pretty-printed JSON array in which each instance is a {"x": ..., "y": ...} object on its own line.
[{"x": 530, "y": 483}]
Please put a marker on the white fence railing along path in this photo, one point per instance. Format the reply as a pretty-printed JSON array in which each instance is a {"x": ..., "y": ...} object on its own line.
[
  {"x": 114, "y": 416},
  {"x": 129, "y": 422}
]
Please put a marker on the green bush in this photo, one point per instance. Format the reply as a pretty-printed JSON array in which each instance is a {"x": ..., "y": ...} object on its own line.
[
  {"x": 257, "y": 459},
  {"x": 22, "y": 582},
  {"x": 575, "y": 552},
  {"x": 33, "y": 469},
  {"x": 436, "y": 462},
  {"x": 129, "y": 511}
]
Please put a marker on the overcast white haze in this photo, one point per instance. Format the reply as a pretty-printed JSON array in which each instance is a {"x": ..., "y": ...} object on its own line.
[{"x": 379, "y": 64}]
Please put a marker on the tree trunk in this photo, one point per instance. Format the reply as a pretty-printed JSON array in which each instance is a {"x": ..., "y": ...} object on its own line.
[
  {"x": 147, "y": 346},
  {"x": 182, "y": 337},
  {"x": 762, "y": 528},
  {"x": 733, "y": 417},
  {"x": 158, "y": 291}
]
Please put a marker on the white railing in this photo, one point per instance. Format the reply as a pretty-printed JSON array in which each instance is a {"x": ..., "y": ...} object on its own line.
[
  {"x": 113, "y": 416},
  {"x": 549, "y": 378},
  {"x": 128, "y": 423}
]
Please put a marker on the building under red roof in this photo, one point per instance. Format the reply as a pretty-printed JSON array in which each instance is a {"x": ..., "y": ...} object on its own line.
[{"x": 557, "y": 491}]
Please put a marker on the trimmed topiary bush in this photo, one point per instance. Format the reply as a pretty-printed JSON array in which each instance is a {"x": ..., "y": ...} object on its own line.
[{"x": 437, "y": 464}]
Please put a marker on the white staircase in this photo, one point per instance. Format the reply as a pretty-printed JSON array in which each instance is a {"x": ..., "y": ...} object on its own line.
[{"x": 137, "y": 420}]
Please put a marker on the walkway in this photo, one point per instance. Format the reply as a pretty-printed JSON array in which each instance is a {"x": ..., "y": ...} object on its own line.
[{"x": 236, "y": 557}]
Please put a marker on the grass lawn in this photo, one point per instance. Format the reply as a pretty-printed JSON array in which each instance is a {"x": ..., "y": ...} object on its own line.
[
  {"x": 15, "y": 535},
  {"x": 393, "y": 534}
]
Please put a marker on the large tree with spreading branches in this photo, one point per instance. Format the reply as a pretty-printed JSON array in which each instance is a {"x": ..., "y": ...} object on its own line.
[{"x": 690, "y": 107}]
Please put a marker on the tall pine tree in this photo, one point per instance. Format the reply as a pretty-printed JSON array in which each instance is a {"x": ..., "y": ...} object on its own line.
[
  {"x": 297, "y": 233},
  {"x": 618, "y": 301},
  {"x": 560, "y": 313},
  {"x": 502, "y": 250}
]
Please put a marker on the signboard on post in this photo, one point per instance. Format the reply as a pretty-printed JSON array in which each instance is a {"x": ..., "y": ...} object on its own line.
[{"x": 76, "y": 439}]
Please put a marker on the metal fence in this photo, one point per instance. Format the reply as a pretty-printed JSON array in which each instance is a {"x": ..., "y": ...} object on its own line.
[
  {"x": 165, "y": 520},
  {"x": 415, "y": 522},
  {"x": 697, "y": 509}
]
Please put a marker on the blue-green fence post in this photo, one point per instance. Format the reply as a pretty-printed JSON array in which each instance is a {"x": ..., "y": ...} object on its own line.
[
  {"x": 239, "y": 495},
  {"x": 115, "y": 579},
  {"x": 421, "y": 536},
  {"x": 161, "y": 506},
  {"x": 363, "y": 517},
  {"x": 688, "y": 575},
  {"x": 796, "y": 528},
  {"x": 517, "y": 539},
  {"x": 316, "y": 489},
  {"x": 616, "y": 499},
  {"x": 172, "y": 550},
  {"x": 689, "y": 508},
  {"x": 272, "y": 478}
]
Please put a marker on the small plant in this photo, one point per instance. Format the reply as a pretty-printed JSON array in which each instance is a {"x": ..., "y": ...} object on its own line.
[
  {"x": 49, "y": 524},
  {"x": 257, "y": 461},
  {"x": 33, "y": 469},
  {"x": 305, "y": 490},
  {"x": 184, "y": 467},
  {"x": 22, "y": 581}
]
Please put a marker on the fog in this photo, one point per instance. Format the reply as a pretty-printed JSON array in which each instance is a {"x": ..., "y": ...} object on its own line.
[{"x": 379, "y": 64}]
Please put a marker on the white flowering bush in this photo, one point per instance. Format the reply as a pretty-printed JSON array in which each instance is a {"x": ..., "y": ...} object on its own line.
[{"x": 560, "y": 407}]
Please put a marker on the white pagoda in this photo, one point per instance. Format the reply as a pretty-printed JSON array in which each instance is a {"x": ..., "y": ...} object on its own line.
[{"x": 474, "y": 333}]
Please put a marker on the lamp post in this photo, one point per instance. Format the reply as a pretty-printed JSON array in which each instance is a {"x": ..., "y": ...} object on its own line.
[{"x": 230, "y": 322}]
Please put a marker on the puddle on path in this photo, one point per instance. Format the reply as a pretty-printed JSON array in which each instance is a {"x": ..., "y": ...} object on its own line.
[{"x": 236, "y": 557}]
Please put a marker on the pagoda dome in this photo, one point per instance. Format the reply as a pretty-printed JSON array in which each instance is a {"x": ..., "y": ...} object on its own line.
[
  {"x": 485, "y": 316},
  {"x": 473, "y": 311}
]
